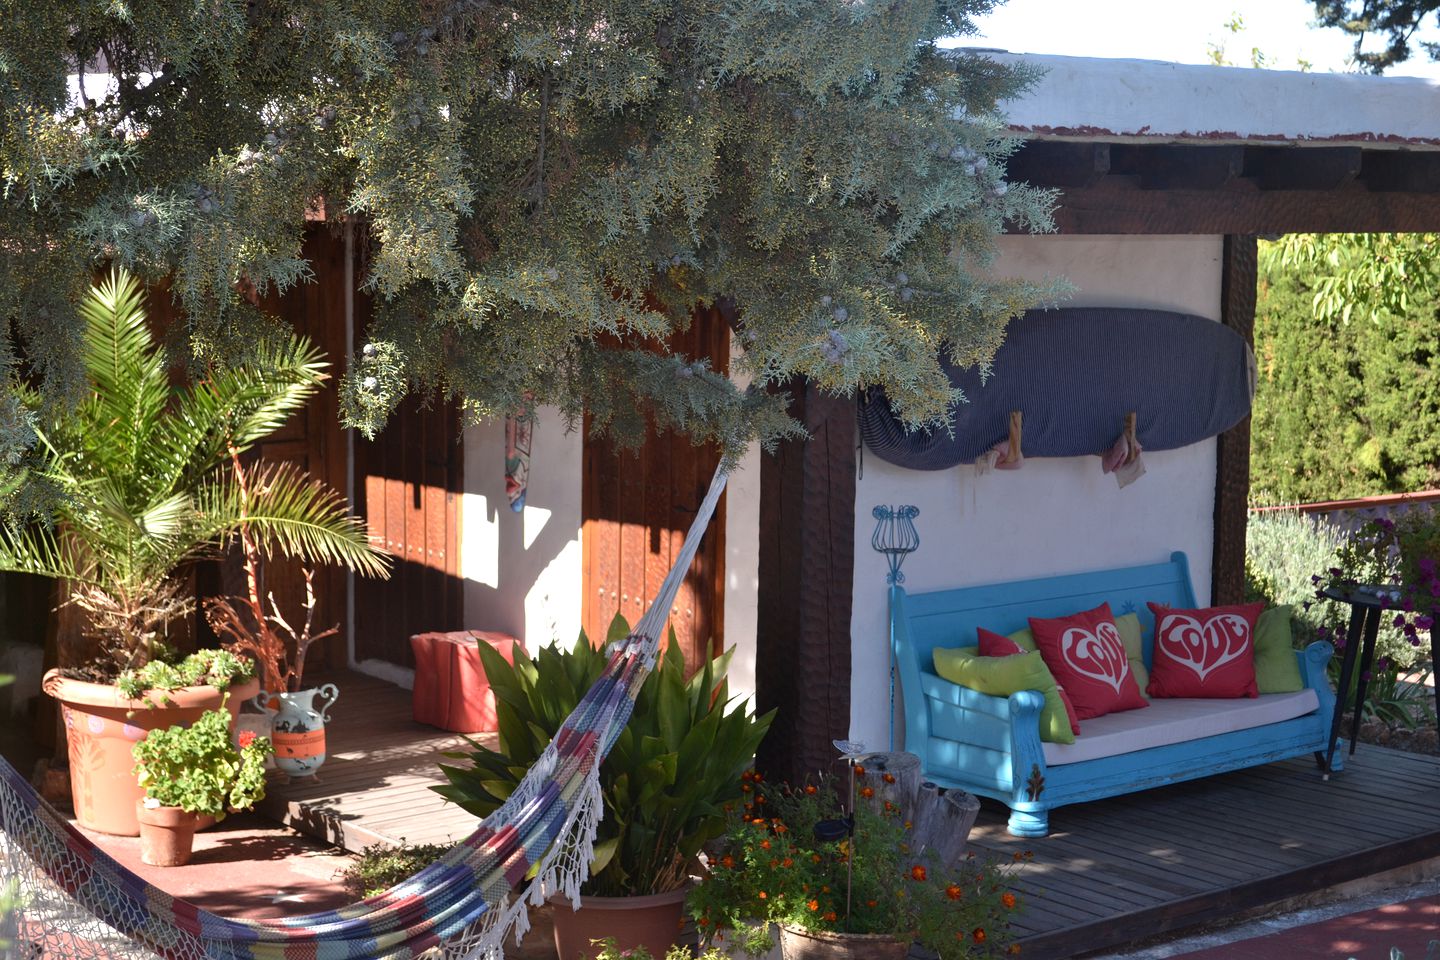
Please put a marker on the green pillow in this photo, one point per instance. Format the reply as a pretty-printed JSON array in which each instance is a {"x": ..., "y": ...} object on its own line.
[
  {"x": 1129, "y": 626},
  {"x": 1002, "y": 676},
  {"x": 1276, "y": 670}
]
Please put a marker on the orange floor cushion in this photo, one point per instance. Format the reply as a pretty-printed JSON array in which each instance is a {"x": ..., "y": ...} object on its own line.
[{"x": 451, "y": 691}]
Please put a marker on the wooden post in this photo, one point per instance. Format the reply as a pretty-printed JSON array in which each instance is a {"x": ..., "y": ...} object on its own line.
[
  {"x": 894, "y": 777},
  {"x": 942, "y": 822}
]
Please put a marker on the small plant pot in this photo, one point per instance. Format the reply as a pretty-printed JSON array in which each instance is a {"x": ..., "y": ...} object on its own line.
[
  {"x": 798, "y": 944},
  {"x": 652, "y": 922},
  {"x": 167, "y": 834}
]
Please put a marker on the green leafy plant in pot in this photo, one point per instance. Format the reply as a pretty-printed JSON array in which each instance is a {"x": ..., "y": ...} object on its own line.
[
  {"x": 189, "y": 773},
  {"x": 666, "y": 782},
  {"x": 142, "y": 486}
]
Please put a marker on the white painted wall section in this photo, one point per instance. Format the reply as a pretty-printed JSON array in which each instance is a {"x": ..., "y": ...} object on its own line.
[
  {"x": 523, "y": 571},
  {"x": 1054, "y": 516}
]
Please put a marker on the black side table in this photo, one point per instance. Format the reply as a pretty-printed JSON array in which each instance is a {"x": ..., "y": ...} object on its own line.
[{"x": 1367, "y": 606}]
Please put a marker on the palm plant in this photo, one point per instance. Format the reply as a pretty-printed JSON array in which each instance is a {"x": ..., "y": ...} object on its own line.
[{"x": 143, "y": 486}]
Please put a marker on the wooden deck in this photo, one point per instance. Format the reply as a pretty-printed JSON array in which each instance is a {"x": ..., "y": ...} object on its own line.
[
  {"x": 1112, "y": 872},
  {"x": 375, "y": 784},
  {"x": 1117, "y": 871}
]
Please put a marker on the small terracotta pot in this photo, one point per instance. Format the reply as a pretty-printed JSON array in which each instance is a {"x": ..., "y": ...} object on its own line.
[
  {"x": 167, "y": 835},
  {"x": 797, "y": 944},
  {"x": 652, "y": 922},
  {"x": 101, "y": 727}
]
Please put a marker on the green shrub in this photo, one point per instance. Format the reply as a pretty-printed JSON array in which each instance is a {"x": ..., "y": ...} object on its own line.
[
  {"x": 666, "y": 779},
  {"x": 197, "y": 768},
  {"x": 217, "y": 668},
  {"x": 378, "y": 867},
  {"x": 1284, "y": 549}
]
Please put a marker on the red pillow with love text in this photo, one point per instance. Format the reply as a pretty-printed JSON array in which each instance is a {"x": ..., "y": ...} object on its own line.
[
  {"x": 993, "y": 644},
  {"x": 1085, "y": 653},
  {"x": 1204, "y": 653}
]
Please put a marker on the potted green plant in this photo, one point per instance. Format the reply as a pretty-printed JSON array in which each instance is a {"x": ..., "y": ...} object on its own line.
[
  {"x": 844, "y": 883},
  {"x": 665, "y": 782},
  {"x": 192, "y": 772},
  {"x": 142, "y": 488}
]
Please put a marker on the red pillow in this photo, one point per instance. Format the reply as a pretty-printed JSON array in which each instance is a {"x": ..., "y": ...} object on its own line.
[
  {"x": 1204, "y": 653},
  {"x": 993, "y": 644},
  {"x": 1085, "y": 653}
]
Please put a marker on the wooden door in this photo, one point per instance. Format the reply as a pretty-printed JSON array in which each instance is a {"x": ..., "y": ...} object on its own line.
[
  {"x": 408, "y": 487},
  {"x": 635, "y": 511}
]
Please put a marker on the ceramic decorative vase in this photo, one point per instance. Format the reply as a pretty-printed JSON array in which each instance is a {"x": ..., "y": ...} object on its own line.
[{"x": 298, "y": 727}]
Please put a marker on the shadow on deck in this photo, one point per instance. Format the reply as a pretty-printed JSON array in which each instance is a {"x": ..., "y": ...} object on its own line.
[
  {"x": 1112, "y": 872},
  {"x": 1128, "y": 869},
  {"x": 375, "y": 784}
]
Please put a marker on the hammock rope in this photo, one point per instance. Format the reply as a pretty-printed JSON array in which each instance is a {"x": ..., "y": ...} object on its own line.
[{"x": 76, "y": 902}]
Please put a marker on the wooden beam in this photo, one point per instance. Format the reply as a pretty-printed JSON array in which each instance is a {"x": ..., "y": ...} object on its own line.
[
  {"x": 1232, "y": 454},
  {"x": 807, "y": 569},
  {"x": 1054, "y": 163},
  {"x": 1391, "y": 171},
  {"x": 1119, "y": 208},
  {"x": 1302, "y": 168},
  {"x": 1173, "y": 167}
]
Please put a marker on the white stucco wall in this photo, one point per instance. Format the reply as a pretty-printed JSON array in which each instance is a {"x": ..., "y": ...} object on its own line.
[
  {"x": 1053, "y": 516},
  {"x": 522, "y": 570}
]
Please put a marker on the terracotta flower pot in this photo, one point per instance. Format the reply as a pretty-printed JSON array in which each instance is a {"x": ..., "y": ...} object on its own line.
[
  {"x": 652, "y": 921},
  {"x": 101, "y": 726},
  {"x": 797, "y": 944},
  {"x": 167, "y": 834}
]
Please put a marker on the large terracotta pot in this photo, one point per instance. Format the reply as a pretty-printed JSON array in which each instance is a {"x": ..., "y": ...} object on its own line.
[
  {"x": 797, "y": 944},
  {"x": 101, "y": 726},
  {"x": 652, "y": 921},
  {"x": 167, "y": 835}
]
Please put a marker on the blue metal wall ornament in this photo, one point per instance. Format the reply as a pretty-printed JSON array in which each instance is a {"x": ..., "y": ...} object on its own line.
[{"x": 896, "y": 537}]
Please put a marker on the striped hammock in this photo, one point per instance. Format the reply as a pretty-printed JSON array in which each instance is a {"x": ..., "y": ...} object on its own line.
[{"x": 72, "y": 901}]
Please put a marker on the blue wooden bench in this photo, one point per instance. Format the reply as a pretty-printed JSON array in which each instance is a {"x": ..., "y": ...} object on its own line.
[{"x": 991, "y": 745}]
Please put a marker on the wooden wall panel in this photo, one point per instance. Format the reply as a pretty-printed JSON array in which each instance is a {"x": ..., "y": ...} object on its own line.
[{"x": 1232, "y": 455}]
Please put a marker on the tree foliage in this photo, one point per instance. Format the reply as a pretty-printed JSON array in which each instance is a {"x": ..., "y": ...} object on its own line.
[
  {"x": 1394, "y": 21},
  {"x": 550, "y": 189},
  {"x": 1347, "y": 335}
]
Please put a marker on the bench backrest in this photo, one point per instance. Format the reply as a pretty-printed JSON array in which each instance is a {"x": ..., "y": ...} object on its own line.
[{"x": 948, "y": 618}]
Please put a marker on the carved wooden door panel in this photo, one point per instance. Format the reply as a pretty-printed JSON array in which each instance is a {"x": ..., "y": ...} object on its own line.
[{"x": 635, "y": 512}]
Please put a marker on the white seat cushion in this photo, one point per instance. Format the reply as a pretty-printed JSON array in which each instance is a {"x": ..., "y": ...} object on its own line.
[{"x": 1175, "y": 721}]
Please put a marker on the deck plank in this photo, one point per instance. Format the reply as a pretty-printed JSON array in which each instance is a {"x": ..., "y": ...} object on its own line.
[{"x": 1112, "y": 871}]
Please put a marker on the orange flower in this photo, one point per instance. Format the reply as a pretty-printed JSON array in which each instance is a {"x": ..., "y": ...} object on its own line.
[
  {"x": 908, "y": 824},
  {"x": 870, "y": 904},
  {"x": 703, "y": 921},
  {"x": 1018, "y": 856},
  {"x": 815, "y": 858},
  {"x": 859, "y": 770},
  {"x": 813, "y": 905},
  {"x": 830, "y": 916},
  {"x": 759, "y": 820},
  {"x": 889, "y": 806},
  {"x": 787, "y": 863},
  {"x": 780, "y": 827},
  {"x": 824, "y": 889},
  {"x": 917, "y": 872},
  {"x": 867, "y": 792},
  {"x": 764, "y": 895},
  {"x": 747, "y": 776},
  {"x": 744, "y": 788},
  {"x": 954, "y": 892},
  {"x": 1015, "y": 949},
  {"x": 810, "y": 789},
  {"x": 760, "y": 799},
  {"x": 1008, "y": 899},
  {"x": 978, "y": 934},
  {"x": 888, "y": 778},
  {"x": 759, "y": 777},
  {"x": 774, "y": 864},
  {"x": 764, "y": 844},
  {"x": 728, "y": 862}
]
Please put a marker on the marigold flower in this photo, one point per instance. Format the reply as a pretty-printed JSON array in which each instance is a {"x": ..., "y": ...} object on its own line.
[
  {"x": 787, "y": 863},
  {"x": 830, "y": 916},
  {"x": 759, "y": 777},
  {"x": 1015, "y": 949},
  {"x": 815, "y": 858},
  {"x": 810, "y": 789},
  {"x": 703, "y": 921},
  {"x": 889, "y": 806},
  {"x": 1008, "y": 899},
  {"x": 870, "y": 903},
  {"x": 824, "y": 889},
  {"x": 917, "y": 872},
  {"x": 774, "y": 864},
  {"x": 888, "y": 778},
  {"x": 747, "y": 776},
  {"x": 760, "y": 798},
  {"x": 859, "y": 770},
  {"x": 764, "y": 844},
  {"x": 744, "y": 788},
  {"x": 978, "y": 934},
  {"x": 764, "y": 895},
  {"x": 867, "y": 792},
  {"x": 954, "y": 892},
  {"x": 1017, "y": 856},
  {"x": 813, "y": 905},
  {"x": 728, "y": 862}
]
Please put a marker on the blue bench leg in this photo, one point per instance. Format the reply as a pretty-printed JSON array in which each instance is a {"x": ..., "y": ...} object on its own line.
[{"x": 1029, "y": 823}]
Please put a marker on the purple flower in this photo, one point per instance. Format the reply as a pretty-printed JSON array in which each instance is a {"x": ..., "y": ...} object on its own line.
[
  {"x": 1426, "y": 566},
  {"x": 1383, "y": 663},
  {"x": 1366, "y": 676},
  {"x": 1408, "y": 604},
  {"x": 1399, "y": 620},
  {"x": 1424, "y": 622},
  {"x": 1385, "y": 523},
  {"x": 1336, "y": 571},
  {"x": 1305, "y": 606}
]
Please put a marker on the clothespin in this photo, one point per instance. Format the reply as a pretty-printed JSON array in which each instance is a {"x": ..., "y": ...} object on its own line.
[
  {"x": 1009, "y": 455},
  {"x": 1123, "y": 459},
  {"x": 1132, "y": 445}
]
